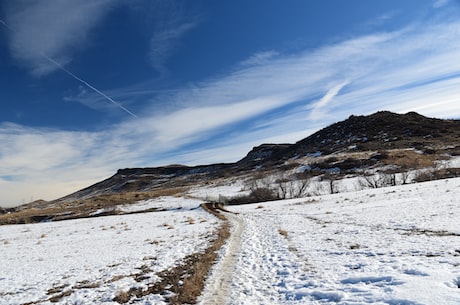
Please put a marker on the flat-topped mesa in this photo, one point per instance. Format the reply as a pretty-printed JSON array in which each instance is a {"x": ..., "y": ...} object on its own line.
[{"x": 174, "y": 170}]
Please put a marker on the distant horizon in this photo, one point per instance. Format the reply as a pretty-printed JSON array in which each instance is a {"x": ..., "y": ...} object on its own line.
[{"x": 89, "y": 87}]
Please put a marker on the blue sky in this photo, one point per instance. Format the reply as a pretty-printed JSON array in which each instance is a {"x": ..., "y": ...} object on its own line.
[{"x": 88, "y": 87}]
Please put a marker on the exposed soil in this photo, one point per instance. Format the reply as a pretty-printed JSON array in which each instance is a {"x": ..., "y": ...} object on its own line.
[{"x": 185, "y": 281}]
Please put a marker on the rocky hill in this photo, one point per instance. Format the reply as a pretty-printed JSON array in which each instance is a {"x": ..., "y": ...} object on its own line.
[
  {"x": 380, "y": 131},
  {"x": 383, "y": 138},
  {"x": 385, "y": 130}
]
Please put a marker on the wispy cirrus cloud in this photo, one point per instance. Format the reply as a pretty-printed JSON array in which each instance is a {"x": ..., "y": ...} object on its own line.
[
  {"x": 399, "y": 71},
  {"x": 260, "y": 58},
  {"x": 271, "y": 100},
  {"x": 391, "y": 71},
  {"x": 54, "y": 28},
  {"x": 440, "y": 3},
  {"x": 171, "y": 22}
]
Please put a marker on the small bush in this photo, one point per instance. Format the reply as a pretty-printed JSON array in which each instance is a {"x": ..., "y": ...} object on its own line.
[
  {"x": 256, "y": 195},
  {"x": 122, "y": 297},
  {"x": 430, "y": 175},
  {"x": 263, "y": 194}
]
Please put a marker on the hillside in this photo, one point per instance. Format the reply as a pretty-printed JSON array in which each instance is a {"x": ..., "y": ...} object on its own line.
[
  {"x": 386, "y": 130},
  {"x": 377, "y": 132},
  {"x": 402, "y": 141}
]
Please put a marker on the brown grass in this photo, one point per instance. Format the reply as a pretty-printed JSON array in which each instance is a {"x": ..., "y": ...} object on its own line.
[
  {"x": 409, "y": 159},
  {"x": 283, "y": 233},
  {"x": 185, "y": 281},
  {"x": 81, "y": 208},
  {"x": 122, "y": 297}
]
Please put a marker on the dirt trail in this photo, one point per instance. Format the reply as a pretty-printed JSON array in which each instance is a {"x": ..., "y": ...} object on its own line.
[{"x": 218, "y": 284}]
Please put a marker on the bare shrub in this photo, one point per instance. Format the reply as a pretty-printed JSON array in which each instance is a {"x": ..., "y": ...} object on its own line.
[
  {"x": 436, "y": 174},
  {"x": 377, "y": 180},
  {"x": 263, "y": 194},
  {"x": 331, "y": 180},
  {"x": 122, "y": 297},
  {"x": 405, "y": 177},
  {"x": 259, "y": 191},
  {"x": 292, "y": 188}
]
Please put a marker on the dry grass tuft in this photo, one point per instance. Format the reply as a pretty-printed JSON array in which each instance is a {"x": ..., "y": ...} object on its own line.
[
  {"x": 82, "y": 208},
  {"x": 283, "y": 232},
  {"x": 122, "y": 297}
]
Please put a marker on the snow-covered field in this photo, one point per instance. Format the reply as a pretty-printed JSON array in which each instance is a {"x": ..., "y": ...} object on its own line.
[
  {"x": 398, "y": 245},
  {"x": 89, "y": 261}
]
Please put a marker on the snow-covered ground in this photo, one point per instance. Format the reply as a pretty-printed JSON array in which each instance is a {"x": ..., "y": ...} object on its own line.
[
  {"x": 398, "y": 245},
  {"x": 92, "y": 260}
]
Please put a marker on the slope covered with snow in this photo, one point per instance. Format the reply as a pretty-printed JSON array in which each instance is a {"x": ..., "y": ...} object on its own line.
[
  {"x": 397, "y": 245},
  {"x": 90, "y": 261}
]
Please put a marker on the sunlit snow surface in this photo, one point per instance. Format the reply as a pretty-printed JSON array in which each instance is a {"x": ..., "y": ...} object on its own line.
[
  {"x": 94, "y": 259},
  {"x": 396, "y": 245}
]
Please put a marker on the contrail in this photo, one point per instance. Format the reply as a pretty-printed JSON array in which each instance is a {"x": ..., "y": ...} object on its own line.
[
  {"x": 88, "y": 85},
  {"x": 74, "y": 76}
]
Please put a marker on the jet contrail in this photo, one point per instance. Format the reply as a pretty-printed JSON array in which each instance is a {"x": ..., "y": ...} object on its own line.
[
  {"x": 74, "y": 76},
  {"x": 88, "y": 85}
]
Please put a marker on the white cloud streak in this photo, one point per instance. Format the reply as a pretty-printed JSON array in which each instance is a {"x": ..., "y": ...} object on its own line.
[
  {"x": 317, "y": 108},
  {"x": 56, "y": 28},
  {"x": 412, "y": 69}
]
